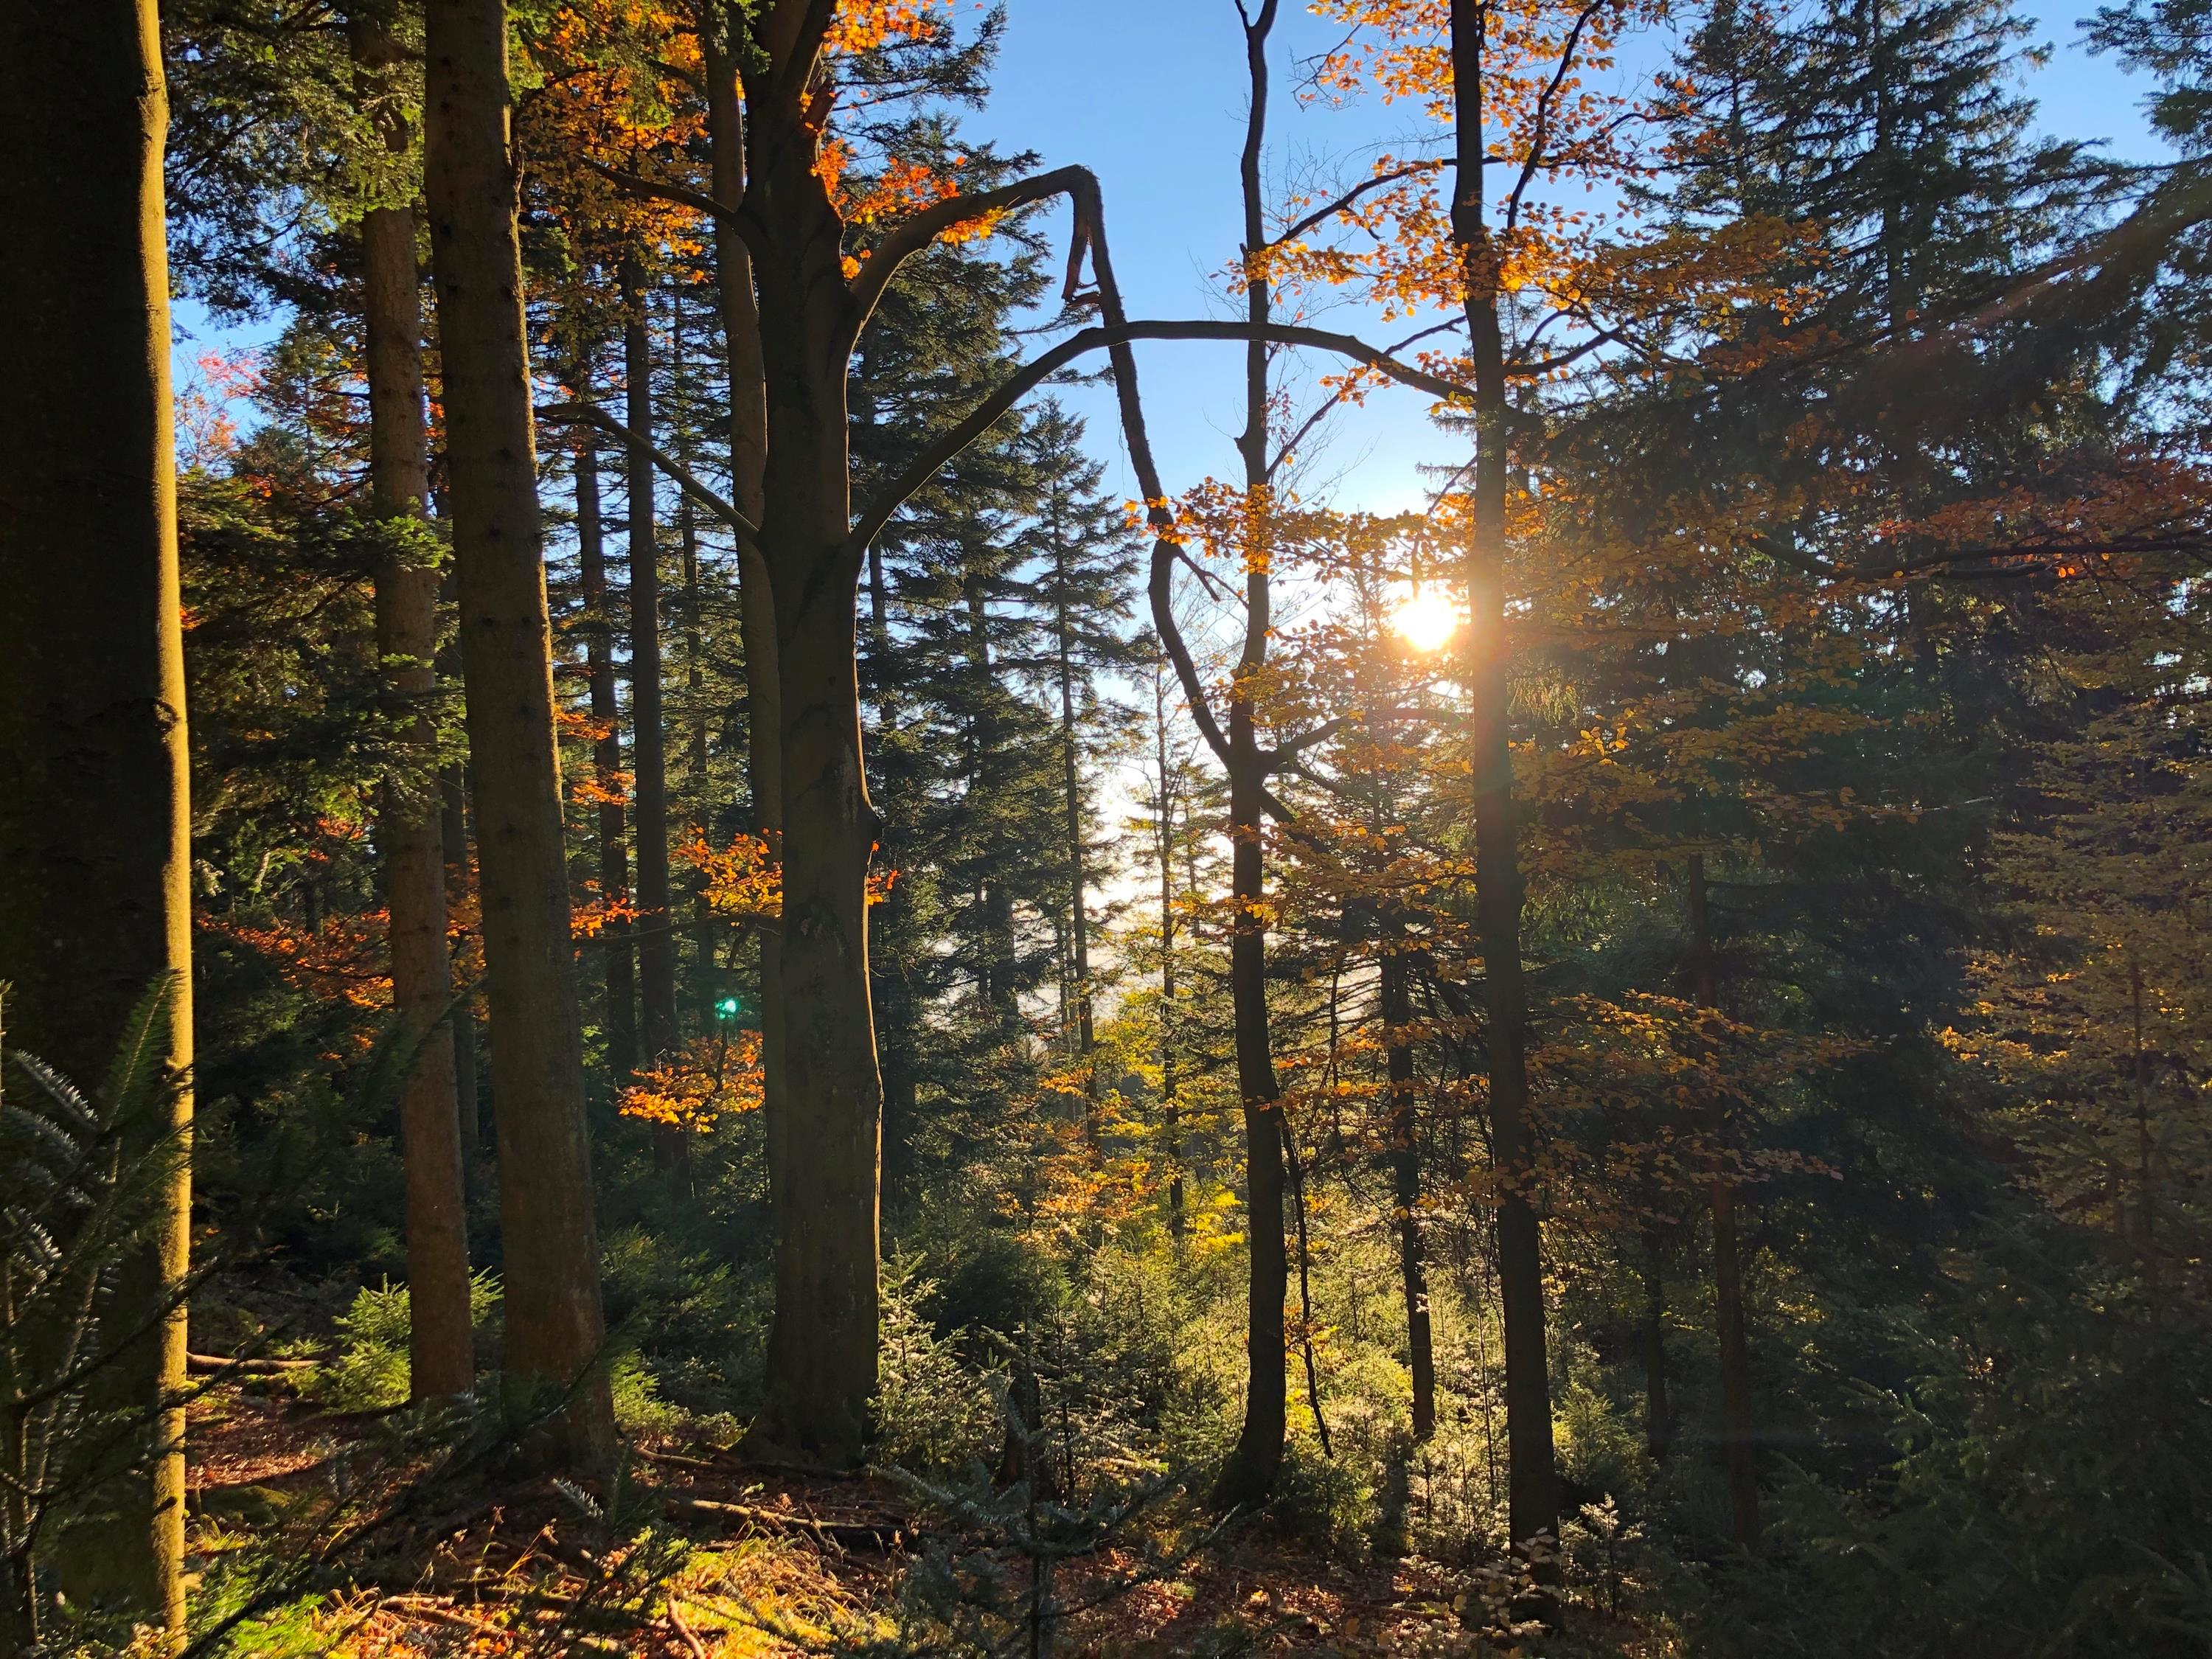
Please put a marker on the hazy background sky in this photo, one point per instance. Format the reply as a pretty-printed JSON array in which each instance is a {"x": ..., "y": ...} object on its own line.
[{"x": 1151, "y": 94}]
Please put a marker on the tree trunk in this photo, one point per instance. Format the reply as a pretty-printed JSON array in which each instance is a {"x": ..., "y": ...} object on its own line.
[
  {"x": 1658, "y": 1413},
  {"x": 741, "y": 339},
  {"x": 1170, "y": 1096},
  {"x": 95, "y": 860},
  {"x": 617, "y": 941},
  {"x": 1250, "y": 1474},
  {"x": 440, "y": 1340},
  {"x": 1405, "y": 1188},
  {"x": 454, "y": 837},
  {"x": 1532, "y": 1497},
  {"x": 555, "y": 1328},
  {"x": 825, "y": 1134},
  {"x": 656, "y": 931},
  {"x": 1740, "y": 1430},
  {"x": 1086, "y": 1039}
]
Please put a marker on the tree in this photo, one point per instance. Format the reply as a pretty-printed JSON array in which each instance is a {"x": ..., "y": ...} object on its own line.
[
  {"x": 555, "y": 1327},
  {"x": 441, "y": 1344},
  {"x": 94, "y": 825}
]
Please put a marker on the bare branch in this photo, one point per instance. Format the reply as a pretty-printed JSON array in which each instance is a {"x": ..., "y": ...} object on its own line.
[
  {"x": 580, "y": 414},
  {"x": 913, "y": 234}
]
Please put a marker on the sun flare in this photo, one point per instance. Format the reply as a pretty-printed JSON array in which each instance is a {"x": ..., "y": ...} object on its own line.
[{"x": 1427, "y": 619}]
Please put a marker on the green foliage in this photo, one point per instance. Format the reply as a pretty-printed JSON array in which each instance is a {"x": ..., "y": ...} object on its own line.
[
  {"x": 933, "y": 1410},
  {"x": 370, "y": 1372}
]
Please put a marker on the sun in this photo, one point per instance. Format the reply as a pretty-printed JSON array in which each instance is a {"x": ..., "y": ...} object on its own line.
[{"x": 1427, "y": 619}]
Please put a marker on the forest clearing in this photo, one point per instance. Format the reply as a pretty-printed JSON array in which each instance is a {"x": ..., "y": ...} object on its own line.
[{"x": 883, "y": 827}]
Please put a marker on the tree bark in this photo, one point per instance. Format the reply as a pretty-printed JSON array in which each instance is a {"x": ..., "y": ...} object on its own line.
[
  {"x": 1250, "y": 1474},
  {"x": 748, "y": 437},
  {"x": 94, "y": 821},
  {"x": 1405, "y": 1187},
  {"x": 1170, "y": 1085},
  {"x": 826, "y": 1134},
  {"x": 442, "y": 1343},
  {"x": 454, "y": 837},
  {"x": 1740, "y": 1429},
  {"x": 555, "y": 1327},
  {"x": 1532, "y": 1478},
  {"x": 618, "y": 943},
  {"x": 656, "y": 929}
]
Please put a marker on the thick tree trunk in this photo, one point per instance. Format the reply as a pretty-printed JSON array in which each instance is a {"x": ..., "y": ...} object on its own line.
[
  {"x": 1740, "y": 1428},
  {"x": 441, "y": 1344},
  {"x": 826, "y": 1134},
  {"x": 555, "y": 1328},
  {"x": 95, "y": 860},
  {"x": 1250, "y": 1474},
  {"x": 609, "y": 816},
  {"x": 656, "y": 919},
  {"x": 1532, "y": 1478},
  {"x": 1406, "y": 1188}
]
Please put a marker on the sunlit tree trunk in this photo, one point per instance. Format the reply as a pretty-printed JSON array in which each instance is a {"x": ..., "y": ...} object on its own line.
[
  {"x": 442, "y": 1346},
  {"x": 1532, "y": 1497},
  {"x": 95, "y": 860},
  {"x": 554, "y": 1329}
]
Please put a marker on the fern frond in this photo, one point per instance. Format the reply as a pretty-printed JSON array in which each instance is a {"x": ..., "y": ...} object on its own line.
[
  {"x": 138, "y": 1063},
  {"x": 61, "y": 1094}
]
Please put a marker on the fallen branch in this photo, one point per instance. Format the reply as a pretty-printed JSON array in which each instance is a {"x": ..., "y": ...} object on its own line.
[
  {"x": 880, "y": 1535},
  {"x": 209, "y": 1365}
]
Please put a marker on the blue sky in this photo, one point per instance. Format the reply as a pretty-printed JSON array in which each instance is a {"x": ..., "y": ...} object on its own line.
[{"x": 1150, "y": 95}]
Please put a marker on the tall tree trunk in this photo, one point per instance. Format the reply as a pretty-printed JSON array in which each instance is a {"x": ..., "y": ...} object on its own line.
[
  {"x": 1658, "y": 1413},
  {"x": 1170, "y": 1085},
  {"x": 555, "y": 1326},
  {"x": 825, "y": 1135},
  {"x": 95, "y": 856},
  {"x": 1250, "y": 1474},
  {"x": 656, "y": 932},
  {"x": 1406, "y": 1185},
  {"x": 1532, "y": 1498},
  {"x": 440, "y": 1343},
  {"x": 617, "y": 942},
  {"x": 1740, "y": 1428},
  {"x": 741, "y": 339},
  {"x": 452, "y": 788},
  {"x": 1086, "y": 1038},
  {"x": 705, "y": 987}
]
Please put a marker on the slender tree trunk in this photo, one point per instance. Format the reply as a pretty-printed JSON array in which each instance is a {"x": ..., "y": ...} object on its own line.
[
  {"x": 1250, "y": 1474},
  {"x": 1171, "y": 1087},
  {"x": 1658, "y": 1413},
  {"x": 441, "y": 1342},
  {"x": 705, "y": 987},
  {"x": 617, "y": 942},
  {"x": 656, "y": 931},
  {"x": 555, "y": 1328},
  {"x": 452, "y": 785},
  {"x": 1740, "y": 1428},
  {"x": 95, "y": 860},
  {"x": 1533, "y": 1499},
  {"x": 1405, "y": 1187},
  {"x": 1086, "y": 1039}
]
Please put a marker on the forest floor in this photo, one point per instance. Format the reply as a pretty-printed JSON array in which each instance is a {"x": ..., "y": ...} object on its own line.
[{"x": 738, "y": 1560}]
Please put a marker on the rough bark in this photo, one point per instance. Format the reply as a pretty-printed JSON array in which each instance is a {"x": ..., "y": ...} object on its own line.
[
  {"x": 95, "y": 861},
  {"x": 824, "y": 1134},
  {"x": 441, "y": 1344},
  {"x": 1532, "y": 1499},
  {"x": 656, "y": 919},
  {"x": 619, "y": 1013},
  {"x": 1250, "y": 1474},
  {"x": 1739, "y": 1424},
  {"x": 555, "y": 1328}
]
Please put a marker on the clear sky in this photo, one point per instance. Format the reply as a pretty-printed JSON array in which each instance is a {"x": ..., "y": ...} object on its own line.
[{"x": 1151, "y": 95}]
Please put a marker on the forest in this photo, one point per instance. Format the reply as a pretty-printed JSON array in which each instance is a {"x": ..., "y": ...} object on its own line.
[{"x": 715, "y": 941}]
